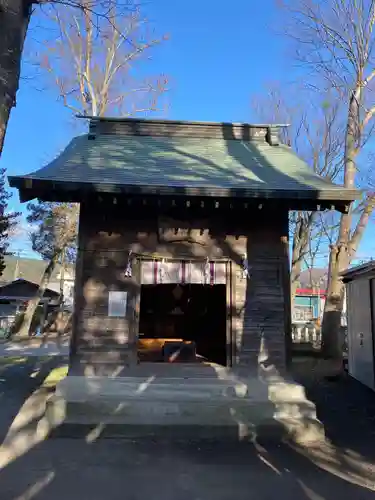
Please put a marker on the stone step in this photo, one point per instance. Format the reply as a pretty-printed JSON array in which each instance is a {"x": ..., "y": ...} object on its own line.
[
  {"x": 179, "y": 398},
  {"x": 211, "y": 412},
  {"x": 178, "y": 389},
  {"x": 195, "y": 433},
  {"x": 181, "y": 421}
]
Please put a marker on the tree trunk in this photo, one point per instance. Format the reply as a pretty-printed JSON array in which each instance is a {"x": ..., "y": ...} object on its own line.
[
  {"x": 24, "y": 329},
  {"x": 340, "y": 255},
  {"x": 14, "y": 21},
  {"x": 295, "y": 271},
  {"x": 332, "y": 345},
  {"x": 340, "y": 259},
  {"x": 300, "y": 242}
]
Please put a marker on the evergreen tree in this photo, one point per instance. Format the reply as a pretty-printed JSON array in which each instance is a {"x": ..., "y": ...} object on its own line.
[
  {"x": 54, "y": 237},
  {"x": 7, "y": 220}
]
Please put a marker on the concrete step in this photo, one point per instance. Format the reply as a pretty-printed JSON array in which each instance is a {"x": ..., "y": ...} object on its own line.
[
  {"x": 155, "y": 412},
  {"x": 183, "y": 405},
  {"x": 180, "y": 422},
  {"x": 195, "y": 433},
  {"x": 176, "y": 389}
]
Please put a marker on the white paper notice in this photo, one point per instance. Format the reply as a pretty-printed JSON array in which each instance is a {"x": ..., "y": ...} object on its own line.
[{"x": 117, "y": 304}]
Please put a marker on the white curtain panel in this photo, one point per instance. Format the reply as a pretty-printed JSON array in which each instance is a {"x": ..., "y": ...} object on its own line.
[{"x": 156, "y": 272}]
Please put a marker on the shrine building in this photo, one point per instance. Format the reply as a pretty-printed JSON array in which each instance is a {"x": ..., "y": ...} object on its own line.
[{"x": 183, "y": 251}]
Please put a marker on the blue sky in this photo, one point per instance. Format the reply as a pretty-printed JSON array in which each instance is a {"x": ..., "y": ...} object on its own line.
[{"x": 218, "y": 57}]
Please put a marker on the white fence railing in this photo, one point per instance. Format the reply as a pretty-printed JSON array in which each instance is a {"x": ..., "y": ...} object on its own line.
[
  {"x": 308, "y": 333},
  {"x": 303, "y": 333}
]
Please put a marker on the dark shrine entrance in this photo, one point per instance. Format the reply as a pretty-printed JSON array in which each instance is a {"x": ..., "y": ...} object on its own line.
[{"x": 183, "y": 323}]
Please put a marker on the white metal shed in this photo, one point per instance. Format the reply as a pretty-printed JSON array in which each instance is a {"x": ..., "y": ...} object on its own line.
[{"x": 360, "y": 295}]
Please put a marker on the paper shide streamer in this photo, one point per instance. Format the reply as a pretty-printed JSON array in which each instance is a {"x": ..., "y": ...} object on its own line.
[{"x": 129, "y": 270}]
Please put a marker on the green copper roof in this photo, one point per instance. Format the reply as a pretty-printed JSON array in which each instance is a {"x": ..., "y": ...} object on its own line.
[{"x": 217, "y": 167}]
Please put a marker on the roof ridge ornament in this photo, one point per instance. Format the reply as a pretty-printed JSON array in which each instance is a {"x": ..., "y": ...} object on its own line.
[
  {"x": 93, "y": 125},
  {"x": 272, "y": 135}
]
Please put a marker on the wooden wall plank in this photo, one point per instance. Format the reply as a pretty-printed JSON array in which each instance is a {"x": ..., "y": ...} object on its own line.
[{"x": 258, "y": 311}]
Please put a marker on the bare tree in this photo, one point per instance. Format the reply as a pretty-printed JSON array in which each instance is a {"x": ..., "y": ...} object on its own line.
[
  {"x": 14, "y": 21},
  {"x": 315, "y": 133},
  {"x": 94, "y": 61},
  {"x": 91, "y": 61},
  {"x": 336, "y": 41}
]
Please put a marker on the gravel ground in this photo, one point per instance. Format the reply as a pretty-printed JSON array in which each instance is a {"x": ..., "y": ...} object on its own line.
[{"x": 60, "y": 469}]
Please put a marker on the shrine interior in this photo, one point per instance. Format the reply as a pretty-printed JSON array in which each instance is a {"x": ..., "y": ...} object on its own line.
[{"x": 183, "y": 323}]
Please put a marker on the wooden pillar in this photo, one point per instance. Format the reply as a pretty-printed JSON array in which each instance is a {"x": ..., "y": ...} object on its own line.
[
  {"x": 104, "y": 342},
  {"x": 77, "y": 301},
  {"x": 285, "y": 268},
  {"x": 263, "y": 302}
]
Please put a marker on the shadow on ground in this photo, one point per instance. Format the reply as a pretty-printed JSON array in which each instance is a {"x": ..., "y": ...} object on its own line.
[
  {"x": 20, "y": 376},
  {"x": 347, "y": 410},
  {"x": 137, "y": 469}
]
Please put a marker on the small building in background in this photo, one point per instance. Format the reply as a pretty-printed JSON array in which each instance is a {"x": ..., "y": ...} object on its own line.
[
  {"x": 308, "y": 308},
  {"x": 32, "y": 270},
  {"x": 309, "y": 300},
  {"x": 308, "y": 305},
  {"x": 14, "y": 297},
  {"x": 360, "y": 293}
]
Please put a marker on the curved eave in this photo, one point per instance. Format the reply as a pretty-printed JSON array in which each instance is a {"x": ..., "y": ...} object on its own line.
[{"x": 50, "y": 190}]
